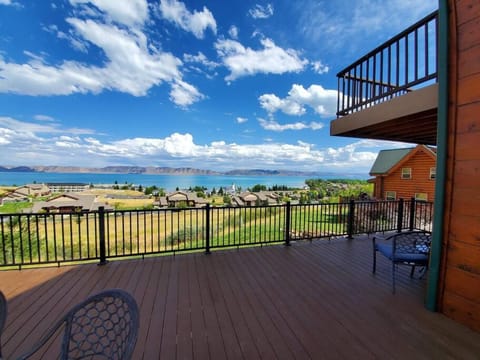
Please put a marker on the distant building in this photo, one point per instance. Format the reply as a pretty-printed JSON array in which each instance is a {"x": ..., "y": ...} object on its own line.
[
  {"x": 69, "y": 203},
  {"x": 181, "y": 199},
  {"x": 405, "y": 173},
  {"x": 25, "y": 193},
  {"x": 33, "y": 190},
  {"x": 13, "y": 197},
  {"x": 68, "y": 187},
  {"x": 256, "y": 198}
]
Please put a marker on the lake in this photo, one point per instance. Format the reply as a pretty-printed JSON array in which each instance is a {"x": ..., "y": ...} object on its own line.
[{"x": 167, "y": 182}]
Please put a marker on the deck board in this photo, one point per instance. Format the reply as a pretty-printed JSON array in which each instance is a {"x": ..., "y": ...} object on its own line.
[{"x": 309, "y": 300}]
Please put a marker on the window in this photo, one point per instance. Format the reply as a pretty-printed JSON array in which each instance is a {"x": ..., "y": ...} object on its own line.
[
  {"x": 390, "y": 195},
  {"x": 421, "y": 196},
  {"x": 433, "y": 173},
  {"x": 406, "y": 173}
]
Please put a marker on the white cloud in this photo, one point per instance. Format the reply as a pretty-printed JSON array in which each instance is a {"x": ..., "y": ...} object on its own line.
[
  {"x": 241, "y": 120},
  {"x": 196, "y": 23},
  {"x": 184, "y": 94},
  {"x": 319, "y": 67},
  {"x": 233, "y": 32},
  {"x": 129, "y": 13},
  {"x": 200, "y": 58},
  {"x": 43, "y": 118},
  {"x": 271, "y": 59},
  {"x": 275, "y": 126},
  {"x": 272, "y": 103},
  {"x": 11, "y": 3},
  {"x": 35, "y": 144},
  {"x": 322, "y": 101},
  {"x": 32, "y": 129},
  {"x": 261, "y": 12},
  {"x": 132, "y": 66}
]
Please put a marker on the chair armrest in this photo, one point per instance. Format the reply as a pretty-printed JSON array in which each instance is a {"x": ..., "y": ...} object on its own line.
[
  {"x": 374, "y": 241},
  {"x": 379, "y": 237}
]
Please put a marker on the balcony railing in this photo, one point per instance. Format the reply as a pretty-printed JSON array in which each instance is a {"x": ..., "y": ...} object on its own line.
[
  {"x": 392, "y": 69},
  {"x": 41, "y": 238}
]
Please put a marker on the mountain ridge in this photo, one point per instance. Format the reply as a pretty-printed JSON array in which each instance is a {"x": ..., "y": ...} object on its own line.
[{"x": 151, "y": 170}]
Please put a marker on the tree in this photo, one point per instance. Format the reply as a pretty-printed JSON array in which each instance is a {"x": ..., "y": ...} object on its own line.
[
  {"x": 149, "y": 190},
  {"x": 258, "y": 188}
]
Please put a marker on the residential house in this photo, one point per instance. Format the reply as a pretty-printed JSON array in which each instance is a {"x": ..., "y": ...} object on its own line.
[
  {"x": 248, "y": 198},
  {"x": 33, "y": 190},
  {"x": 181, "y": 199},
  {"x": 431, "y": 95},
  {"x": 71, "y": 202},
  {"x": 405, "y": 174},
  {"x": 12, "y": 197},
  {"x": 25, "y": 193}
]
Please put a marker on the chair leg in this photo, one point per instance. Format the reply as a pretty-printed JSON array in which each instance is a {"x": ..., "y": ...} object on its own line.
[
  {"x": 412, "y": 271},
  {"x": 374, "y": 261}
]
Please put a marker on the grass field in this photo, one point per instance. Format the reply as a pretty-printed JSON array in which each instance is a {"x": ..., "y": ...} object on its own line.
[{"x": 39, "y": 238}]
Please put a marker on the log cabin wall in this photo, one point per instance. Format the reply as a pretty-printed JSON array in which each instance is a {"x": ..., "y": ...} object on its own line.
[
  {"x": 420, "y": 181},
  {"x": 459, "y": 295}
]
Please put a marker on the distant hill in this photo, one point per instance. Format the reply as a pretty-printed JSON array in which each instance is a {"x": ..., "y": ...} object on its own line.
[
  {"x": 151, "y": 170},
  {"x": 17, "y": 169},
  {"x": 261, "y": 172},
  {"x": 110, "y": 170}
]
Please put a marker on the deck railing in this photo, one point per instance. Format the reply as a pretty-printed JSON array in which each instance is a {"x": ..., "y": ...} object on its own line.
[
  {"x": 392, "y": 69},
  {"x": 41, "y": 238}
]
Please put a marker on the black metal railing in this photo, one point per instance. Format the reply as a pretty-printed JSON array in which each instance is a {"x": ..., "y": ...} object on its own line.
[
  {"x": 41, "y": 238},
  {"x": 392, "y": 69}
]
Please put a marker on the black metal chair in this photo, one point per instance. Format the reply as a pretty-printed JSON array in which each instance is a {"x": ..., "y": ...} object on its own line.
[
  {"x": 3, "y": 318},
  {"x": 411, "y": 248},
  {"x": 105, "y": 326}
]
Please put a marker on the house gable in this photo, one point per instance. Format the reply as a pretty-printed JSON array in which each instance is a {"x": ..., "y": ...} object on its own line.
[
  {"x": 420, "y": 149},
  {"x": 392, "y": 182}
]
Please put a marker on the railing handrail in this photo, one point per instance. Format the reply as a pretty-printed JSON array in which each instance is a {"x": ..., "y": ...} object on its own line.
[
  {"x": 33, "y": 238},
  {"x": 391, "y": 41},
  {"x": 391, "y": 69}
]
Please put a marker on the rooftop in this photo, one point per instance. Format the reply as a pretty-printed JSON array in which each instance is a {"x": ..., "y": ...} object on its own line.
[{"x": 262, "y": 302}]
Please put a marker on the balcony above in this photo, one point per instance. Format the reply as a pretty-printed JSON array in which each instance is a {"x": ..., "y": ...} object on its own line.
[
  {"x": 409, "y": 118},
  {"x": 391, "y": 93}
]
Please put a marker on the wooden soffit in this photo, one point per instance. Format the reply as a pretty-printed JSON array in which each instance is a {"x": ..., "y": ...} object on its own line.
[{"x": 408, "y": 118}]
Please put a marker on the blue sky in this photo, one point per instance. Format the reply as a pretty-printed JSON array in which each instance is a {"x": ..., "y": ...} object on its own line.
[{"x": 208, "y": 84}]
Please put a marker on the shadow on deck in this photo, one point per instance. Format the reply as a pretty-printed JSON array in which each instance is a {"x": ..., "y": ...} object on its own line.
[{"x": 309, "y": 300}]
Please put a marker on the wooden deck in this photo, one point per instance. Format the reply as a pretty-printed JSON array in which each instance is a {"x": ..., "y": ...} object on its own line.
[{"x": 314, "y": 300}]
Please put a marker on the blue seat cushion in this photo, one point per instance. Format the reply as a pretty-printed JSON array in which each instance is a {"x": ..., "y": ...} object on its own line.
[{"x": 386, "y": 249}]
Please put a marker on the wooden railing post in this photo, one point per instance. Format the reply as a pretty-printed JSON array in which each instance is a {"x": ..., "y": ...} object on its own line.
[
  {"x": 101, "y": 234},
  {"x": 400, "y": 216},
  {"x": 350, "y": 219},
  {"x": 287, "y": 223},
  {"x": 412, "y": 213},
  {"x": 207, "y": 229}
]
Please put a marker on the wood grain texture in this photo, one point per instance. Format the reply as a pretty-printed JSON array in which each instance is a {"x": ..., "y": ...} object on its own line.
[{"x": 307, "y": 301}]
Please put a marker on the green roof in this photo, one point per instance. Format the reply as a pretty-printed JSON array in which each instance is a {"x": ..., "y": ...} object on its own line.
[{"x": 386, "y": 159}]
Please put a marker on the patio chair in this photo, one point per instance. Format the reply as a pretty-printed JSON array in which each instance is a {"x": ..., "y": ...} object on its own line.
[
  {"x": 411, "y": 248},
  {"x": 3, "y": 317},
  {"x": 104, "y": 326}
]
